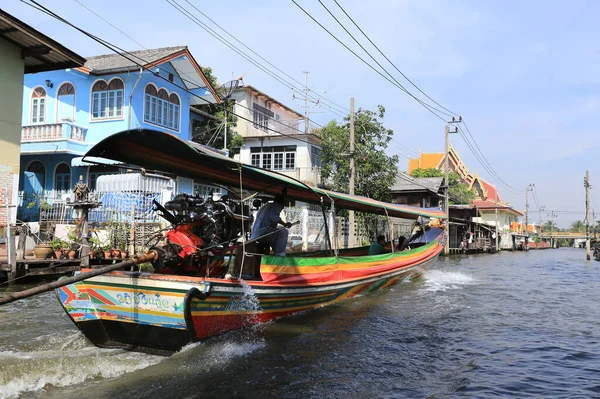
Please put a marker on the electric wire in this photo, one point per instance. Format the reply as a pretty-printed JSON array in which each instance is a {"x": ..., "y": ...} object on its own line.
[
  {"x": 184, "y": 11},
  {"x": 262, "y": 58},
  {"x": 121, "y": 52},
  {"x": 391, "y": 63},
  {"x": 366, "y": 63},
  {"x": 183, "y": 79},
  {"x": 481, "y": 158}
]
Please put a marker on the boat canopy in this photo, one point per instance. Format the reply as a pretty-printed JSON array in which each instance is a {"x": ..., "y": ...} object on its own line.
[{"x": 165, "y": 152}]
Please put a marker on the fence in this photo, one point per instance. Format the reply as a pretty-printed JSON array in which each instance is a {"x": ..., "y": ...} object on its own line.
[
  {"x": 51, "y": 206},
  {"x": 310, "y": 232}
]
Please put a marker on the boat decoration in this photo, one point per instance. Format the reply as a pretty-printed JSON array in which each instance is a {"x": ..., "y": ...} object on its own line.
[{"x": 208, "y": 277}]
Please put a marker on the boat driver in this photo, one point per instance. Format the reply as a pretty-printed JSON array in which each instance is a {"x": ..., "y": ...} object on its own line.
[
  {"x": 266, "y": 223},
  {"x": 378, "y": 247}
]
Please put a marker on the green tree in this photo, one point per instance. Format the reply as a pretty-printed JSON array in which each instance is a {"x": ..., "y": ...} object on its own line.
[
  {"x": 458, "y": 191},
  {"x": 429, "y": 172},
  {"x": 549, "y": 225},
  {"x": 578, "y": 226},
  {"x": 209, "y": 131},
  {"x": 375, "y": 171}
]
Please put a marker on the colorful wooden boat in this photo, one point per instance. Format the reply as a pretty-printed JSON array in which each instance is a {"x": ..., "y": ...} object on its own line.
[{"x": 162, "y": 313}]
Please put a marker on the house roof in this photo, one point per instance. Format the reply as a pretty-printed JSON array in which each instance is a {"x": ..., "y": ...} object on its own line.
[
  {"x": 39, "y": 52},
  {"x": 179, "y": 56},
  {"x": 426, "y": 161},
  {"x": 492, "y": 205},
  {"x": 489, "y": 190},
  {"x": 269, "y": 98},
  {"x": 407, "y": 183},
  {"x": 111, "y": 63}
]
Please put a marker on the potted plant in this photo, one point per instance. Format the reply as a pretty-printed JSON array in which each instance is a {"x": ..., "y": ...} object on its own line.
[
  {"x": 95, "y": 248},
  {"x": 107, "y": 252},
  {"x": 73, "y": 238},
  {"x": 43, "y": 251},
  {"x": 58, "y": 246}
]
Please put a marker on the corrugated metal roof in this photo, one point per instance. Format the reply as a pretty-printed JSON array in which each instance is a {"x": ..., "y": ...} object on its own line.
[
  {"x": 39, "y": 52},
  {"x": 405, "y": 182},
  {"x": 150, "y": 183}
]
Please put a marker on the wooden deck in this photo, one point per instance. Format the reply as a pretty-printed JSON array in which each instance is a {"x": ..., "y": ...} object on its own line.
[{"x": 33, "y": 267}]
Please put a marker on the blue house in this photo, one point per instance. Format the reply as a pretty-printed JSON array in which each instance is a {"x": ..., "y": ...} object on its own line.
[{"x": 66, "y": 112}]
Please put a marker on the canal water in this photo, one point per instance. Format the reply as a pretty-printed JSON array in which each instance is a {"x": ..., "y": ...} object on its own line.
[{"x": 482, "y": 326}]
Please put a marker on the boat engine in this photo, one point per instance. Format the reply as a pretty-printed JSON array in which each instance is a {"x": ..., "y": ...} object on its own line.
[{"x": 201, "y": 230}]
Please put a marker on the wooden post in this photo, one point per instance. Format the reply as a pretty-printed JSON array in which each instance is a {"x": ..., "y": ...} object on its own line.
[
  {"x": 587, "y": 215},
  {"x": 85, "y": 244},
  {"x": 22, "y": 242},
  {"x": 351, "y": 227},
  {"x": 446, "y": 174},
  {"x": 12, "y": 258},
  {"x": 132, "y": 232}
]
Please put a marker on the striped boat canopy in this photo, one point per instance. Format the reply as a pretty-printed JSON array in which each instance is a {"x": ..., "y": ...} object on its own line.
[{"x": 165, "y": 152}]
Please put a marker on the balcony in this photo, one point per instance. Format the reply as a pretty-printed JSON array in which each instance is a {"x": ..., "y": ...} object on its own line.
[
  {"x": 310, "y": 176},
  {"x": 53, "y": 132},
  {"x": 272, "y": 128}
]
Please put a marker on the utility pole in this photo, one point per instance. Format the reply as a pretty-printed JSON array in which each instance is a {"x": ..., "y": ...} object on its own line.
[
  {"x": 594, "y": 223},
  {"x": 446, "y": 183},
  {"x": 351, "y": 232},
  {"x": 586, "y": 184},
  {"x": 496, "y": 221},
  {"x": 225, "y": 125},
  {"x": 529, "y": 187},
  {"x": 552, "y": 215},
  {"x": 306, "y": 105},
  {"x": 540, "y": 215}
]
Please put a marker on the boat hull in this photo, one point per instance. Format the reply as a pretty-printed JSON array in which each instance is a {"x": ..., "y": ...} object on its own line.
[{"x": 162, "y": 313}]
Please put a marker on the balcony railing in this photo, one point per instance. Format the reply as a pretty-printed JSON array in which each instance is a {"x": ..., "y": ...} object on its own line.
[
  {"x": 310, "y": 176},
  {"x": 273, "y": 128},
  {"x": 52, "y": 131}
]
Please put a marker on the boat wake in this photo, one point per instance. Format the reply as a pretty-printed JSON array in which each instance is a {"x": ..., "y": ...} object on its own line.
[
  {"x": 60, "y": 360},
  {"x": 438, "y": 280}
]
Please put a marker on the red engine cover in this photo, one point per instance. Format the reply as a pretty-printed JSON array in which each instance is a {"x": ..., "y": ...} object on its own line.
[{"x": 183, "y": 236}]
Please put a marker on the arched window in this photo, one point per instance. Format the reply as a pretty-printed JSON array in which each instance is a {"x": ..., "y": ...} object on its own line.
[
  {"x": 107, "y": 99},
  {"x": 66, "y": 103},
  {"x": 34, "y": 178},
  {"x": 174, "y": 99},
  {"x": 62, "y": 177},
  {"x": 160, "y": 108},
  {"x": 38, "y": 105}
]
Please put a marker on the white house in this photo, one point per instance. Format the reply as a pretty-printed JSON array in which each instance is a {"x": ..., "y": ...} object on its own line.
[{"x": 273, "y": 140}]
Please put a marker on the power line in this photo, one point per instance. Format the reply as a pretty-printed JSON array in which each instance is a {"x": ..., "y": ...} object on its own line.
[
  {"x": 427, "y": 106},
  {"x": 98, "y": 15},
  {"x": 182, "y": 78},
  {"x": 184, "y": 11},
  {"x": 122, "y": 53},
  {"x": 344, "y": 109},
  {"x": 388, "y": 60},
  {"x": 493, "y": 171},
  {"x": 430, "y": 108}
]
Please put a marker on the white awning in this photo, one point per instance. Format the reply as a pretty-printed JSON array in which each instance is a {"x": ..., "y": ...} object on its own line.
[{"x": 90, "y": 161}]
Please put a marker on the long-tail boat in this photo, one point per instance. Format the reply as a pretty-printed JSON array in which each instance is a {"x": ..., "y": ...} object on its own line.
[{"x": 198, "y": 296}]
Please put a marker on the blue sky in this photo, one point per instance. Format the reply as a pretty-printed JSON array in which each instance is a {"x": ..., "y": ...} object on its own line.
[{"x": 524, "y": 75}]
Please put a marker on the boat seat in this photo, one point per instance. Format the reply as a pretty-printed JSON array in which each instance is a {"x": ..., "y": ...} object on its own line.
[{"x": 251, "y": 262}]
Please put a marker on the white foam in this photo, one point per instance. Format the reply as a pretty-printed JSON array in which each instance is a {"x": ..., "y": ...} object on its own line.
[
  {"x": 63, "y": 359},
  {"x": 439, "y": 280}
]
